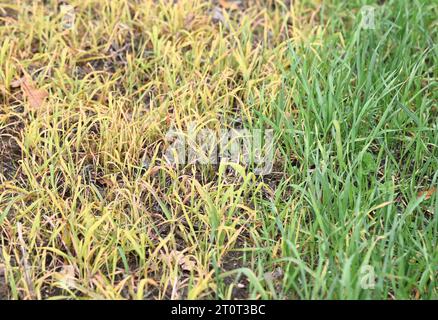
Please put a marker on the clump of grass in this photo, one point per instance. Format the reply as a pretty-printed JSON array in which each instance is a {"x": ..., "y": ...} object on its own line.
[{"x": 89, "y": 207}]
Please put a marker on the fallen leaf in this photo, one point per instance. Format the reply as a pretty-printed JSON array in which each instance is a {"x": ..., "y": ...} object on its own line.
[
  {"x": 232, "y": 5},
  {"x": 34, "y": 95},
  {"x": 67, "y": 275},
  {"x": 428, "y": 193},
  {"x": 180, "y": 258},
  {"x": 187, "y": 263}
]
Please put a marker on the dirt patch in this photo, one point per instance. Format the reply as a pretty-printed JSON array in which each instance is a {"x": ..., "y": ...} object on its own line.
[
  {"x": 10, "y": 154},
  {"x": 10, "y": 132},
  {"x": 231, "y": 261}
]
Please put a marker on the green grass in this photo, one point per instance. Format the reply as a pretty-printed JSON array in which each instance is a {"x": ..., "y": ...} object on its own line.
[
  {"x": 365, "y": 137},
  {"x": 89, "y": 208}
]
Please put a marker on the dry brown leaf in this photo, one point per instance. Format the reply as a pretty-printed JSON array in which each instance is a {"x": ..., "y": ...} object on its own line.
[
  {"x": 185, "y": 262},
  {"x": 67, "y": 275},
  {"x": 34, "y": 95},
  {"x": 232, "y": 5},
  {"x": 428, "y": 193}
]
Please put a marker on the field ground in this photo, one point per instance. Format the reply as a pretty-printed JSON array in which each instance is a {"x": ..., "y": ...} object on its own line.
[{"x": 90, "y": 208}]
